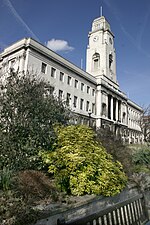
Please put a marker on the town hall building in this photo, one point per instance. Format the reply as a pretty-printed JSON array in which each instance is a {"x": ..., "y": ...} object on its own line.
[{"x": 94, "y": 95}]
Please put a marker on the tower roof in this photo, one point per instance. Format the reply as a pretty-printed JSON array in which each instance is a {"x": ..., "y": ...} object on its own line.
[{"x": 100, "y": 23}]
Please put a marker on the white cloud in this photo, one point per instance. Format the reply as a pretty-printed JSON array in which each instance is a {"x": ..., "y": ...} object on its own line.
[{"x": 59, "y": 45}]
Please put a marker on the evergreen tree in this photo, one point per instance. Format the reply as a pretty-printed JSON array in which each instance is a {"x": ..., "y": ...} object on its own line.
[{"x": 28, "y": 112}]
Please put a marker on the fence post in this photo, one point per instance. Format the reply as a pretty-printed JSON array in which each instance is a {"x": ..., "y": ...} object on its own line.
[{"x": 146, "y": 208}]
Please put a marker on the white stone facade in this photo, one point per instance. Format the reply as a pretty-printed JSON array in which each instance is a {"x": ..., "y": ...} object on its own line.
[{"x": 94, "y": 95}]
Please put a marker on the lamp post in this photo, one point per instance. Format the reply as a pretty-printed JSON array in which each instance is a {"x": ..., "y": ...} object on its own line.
[{"x": 89, "y": 113}]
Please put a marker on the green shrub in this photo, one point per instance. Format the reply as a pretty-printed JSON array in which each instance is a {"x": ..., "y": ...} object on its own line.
[
  {"x": 28, "y": 112},
  {"x": 81, "y": 166},
  {"x": 5, "y": 179},
  {"x": 114, "y": 145},
  {"x": 14, "y": 211},
  {"x": 141, "y": 160},
  {"x": 142, "y": 156}
]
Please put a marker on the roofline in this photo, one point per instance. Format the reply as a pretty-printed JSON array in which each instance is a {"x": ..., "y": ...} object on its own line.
[
  {"x": 130, "y": 102},
  {"x": 42, "y": 49}
]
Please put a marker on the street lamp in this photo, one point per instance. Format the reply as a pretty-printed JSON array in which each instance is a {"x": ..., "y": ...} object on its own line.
[{"x": 89, "y": 113}]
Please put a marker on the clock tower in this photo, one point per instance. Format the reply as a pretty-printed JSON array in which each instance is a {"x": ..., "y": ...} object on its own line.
[{"x": 101, "y": 56}]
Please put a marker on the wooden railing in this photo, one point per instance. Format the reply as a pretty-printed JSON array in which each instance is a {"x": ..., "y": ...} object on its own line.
[{"x": 130, "y": 212}]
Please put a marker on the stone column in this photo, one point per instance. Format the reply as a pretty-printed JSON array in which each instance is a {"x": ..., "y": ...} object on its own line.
[
  {"x": 112, "y": 107},
  {"x": 121, "y": 112},
  {"x": 116, "y": 109},
  {"x": 107, "y": 106},
  {"x": 98, "y": 106}
]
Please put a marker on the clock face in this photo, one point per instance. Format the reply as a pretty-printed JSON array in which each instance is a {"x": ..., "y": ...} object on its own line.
[{"x": 95, "y": 38}]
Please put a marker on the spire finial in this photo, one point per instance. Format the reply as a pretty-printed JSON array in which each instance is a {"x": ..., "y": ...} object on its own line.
[{"x": 101, "y": 14}]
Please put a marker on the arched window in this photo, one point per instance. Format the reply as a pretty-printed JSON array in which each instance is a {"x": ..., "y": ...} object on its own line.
[
  {"x": 110, "y": 60},
  {"x": 96, "y": 61}
]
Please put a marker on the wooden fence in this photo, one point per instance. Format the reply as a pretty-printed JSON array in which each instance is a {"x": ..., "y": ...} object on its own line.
[{"x": 130, "y": 212}]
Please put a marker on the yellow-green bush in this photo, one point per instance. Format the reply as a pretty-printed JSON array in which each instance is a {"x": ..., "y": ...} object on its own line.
[{"x": 82, "y": 166}]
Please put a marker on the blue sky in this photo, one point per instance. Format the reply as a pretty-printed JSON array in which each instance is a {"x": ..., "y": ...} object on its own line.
[{"x": 64, "y": 25}]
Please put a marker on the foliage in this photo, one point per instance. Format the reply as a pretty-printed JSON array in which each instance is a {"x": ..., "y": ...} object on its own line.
[
  {"x": 141, "y": 159},
  {"x": 28, "y": 112},
  {"x": 115, "y": 146},
  {"x": 14, "y": 211},
  {"x": 34, "y": 184},
  {"x": 28, "y": 189},
  {"x": 144, "y": 123},
  {"x": 142, "y": 180},
  {"x": 5, "y": 179},
  {"x": 82, "y": 166},
  {"x": 142, "y": 156}
]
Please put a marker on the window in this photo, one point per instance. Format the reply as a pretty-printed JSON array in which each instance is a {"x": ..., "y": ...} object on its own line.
[
  {"x": 76, "y": 84},
  {"x": 43, "y": 68},
  {"x": 87, "y": 106},
  {"x": 69, "y": 80},
  {"x": 61, "y": 78},
  {"x": 96, "y": 64},
  {"x": 93, "y": 108},
  {"x": 93, "y": 92},
  {"x": 75, "y": 101},
  {"x": 124, "y": 117},
  {"x": 60, "y": 94},
  {"x": 12, "y": 63},
  {"x": 68, "y": 100},
  {"x": 96, "y": 61},
  {"x": 103, "y": 109},
  {"x": 81, "y": 103},
  {"x": 53, "y": 71},
  {"x": 110, "y": 60},
  {"x": 82, "y": 87},
  {"x": 88, "y": 89},
  {"x": 51, "y": 89}
]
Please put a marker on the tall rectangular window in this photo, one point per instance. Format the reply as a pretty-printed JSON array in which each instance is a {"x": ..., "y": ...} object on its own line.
[
  {"x": 88, "y": 89},
  {"x": 69, "y": 80},
  {"x": 43, "y": 67},
  {"x": 87, "y": 106},
  {"x": 61, "y": 78},
  {"x": 93, "y": 92},
  {"x": 75, "y": 101},
  {"x": 60, "y": 94},
  {"x": 82, "y": 87},
  {"x": 53, "y": 72},
  {"x": 81, "y": 103},
  {"x": 68, "y": 99},
  {"x": 76, "y": 83},
  {"x": 12, "y": 63},
  {"x": 93, "y": 108}
]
